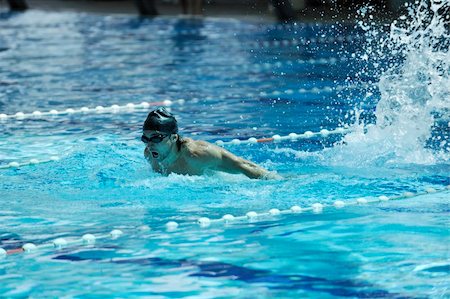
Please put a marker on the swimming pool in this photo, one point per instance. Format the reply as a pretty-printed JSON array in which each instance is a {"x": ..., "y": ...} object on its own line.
[{"x": 223, "y": 79}]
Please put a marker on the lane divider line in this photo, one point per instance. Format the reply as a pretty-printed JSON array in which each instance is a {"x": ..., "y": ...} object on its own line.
[
  {"x": 85, "y": 110},
  {"x": 30, "y": 162},
  {"x": 275, "y": 138},
  {"x": 130, "y": 107},
  {"x": 290, "y": 137},
  {"x": 226, "y": 220}
]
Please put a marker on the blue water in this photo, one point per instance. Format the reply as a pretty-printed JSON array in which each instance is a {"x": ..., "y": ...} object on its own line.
[{"x": 70, "y": 60}]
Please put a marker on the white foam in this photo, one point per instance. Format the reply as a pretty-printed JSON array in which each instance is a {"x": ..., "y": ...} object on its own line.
[{"x": 414, "y": 93}]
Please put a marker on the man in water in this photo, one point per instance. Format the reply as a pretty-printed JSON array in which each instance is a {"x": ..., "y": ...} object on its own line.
[{"x": 168, "y": 152}]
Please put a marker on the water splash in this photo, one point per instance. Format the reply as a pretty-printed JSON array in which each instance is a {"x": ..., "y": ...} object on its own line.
[{"x": 412, "y": 115}]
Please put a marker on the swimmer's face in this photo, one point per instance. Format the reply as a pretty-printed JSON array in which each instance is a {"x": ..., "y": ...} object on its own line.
[{"x": 159, "y": 144}]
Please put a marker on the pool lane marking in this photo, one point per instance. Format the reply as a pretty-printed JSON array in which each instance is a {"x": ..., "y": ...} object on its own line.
[
  {"x": 12, "y": 251},
  {"x": 30, "y": 162},
  {"x": 275, "y": 138},
  {"x": 59, "y": 243},
  {"x": 262, "y": 140},
  {"x": 261, "y": 28},
  {"x": 318, "y": 208},
  {"x": 288, "y": 65},
  {"x": 264, "y": 43},
  {"x": 85, "y": 110},
  {"x": 277, "y": 43},
  {"x": 304, "y": 41},
  {"x": 290, "y": 137},
  {"x": 278, "y": 64},
  {"x": 204, "y": 222},
  {"x": 114, "y": 109}
]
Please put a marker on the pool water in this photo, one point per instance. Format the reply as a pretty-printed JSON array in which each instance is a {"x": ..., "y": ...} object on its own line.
[{"x": 236, "y": 79}]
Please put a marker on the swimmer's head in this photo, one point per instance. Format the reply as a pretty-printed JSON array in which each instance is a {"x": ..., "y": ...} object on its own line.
[{"x": 162, "y": 121}]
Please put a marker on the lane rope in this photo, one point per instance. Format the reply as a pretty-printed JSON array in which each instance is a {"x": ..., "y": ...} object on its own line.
[
  {"x": 263, "y": 43},
  {"x": 130, "y": 107},
  {"x": 291, "y": 65},
  {"x": 275, "y": 138},
  {"x": 86, "y": 110},
  {"x": 226, "y": 220},
  {"x": 293, "y": 41},
  {"x": 290, "y": 137},
  {"x": 29, "y": 162}
]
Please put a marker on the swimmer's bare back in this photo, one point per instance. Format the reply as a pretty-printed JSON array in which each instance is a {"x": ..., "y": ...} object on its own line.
[{"x": 197, "y": 157}]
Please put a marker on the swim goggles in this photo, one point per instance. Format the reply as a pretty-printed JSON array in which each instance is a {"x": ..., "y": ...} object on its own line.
[{"x": 154, "y": 139}]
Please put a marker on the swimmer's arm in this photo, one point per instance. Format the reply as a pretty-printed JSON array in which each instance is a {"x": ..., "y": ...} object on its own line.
[
  {"x": 217, "y": 158},
  {"x": 234, "y": 164}
]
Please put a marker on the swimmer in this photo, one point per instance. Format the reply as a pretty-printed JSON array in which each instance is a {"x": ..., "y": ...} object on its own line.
[{"x": 168, "y": 152}]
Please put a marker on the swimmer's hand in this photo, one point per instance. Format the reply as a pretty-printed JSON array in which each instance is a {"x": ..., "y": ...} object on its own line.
[{"x": 272, "y": 175}]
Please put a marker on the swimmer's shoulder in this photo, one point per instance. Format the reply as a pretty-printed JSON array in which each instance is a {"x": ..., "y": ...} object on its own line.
[{"x": 199, "y": 148}]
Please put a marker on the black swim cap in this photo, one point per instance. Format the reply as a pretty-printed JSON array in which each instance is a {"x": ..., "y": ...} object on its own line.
[{"x": 162, "y": 121}]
